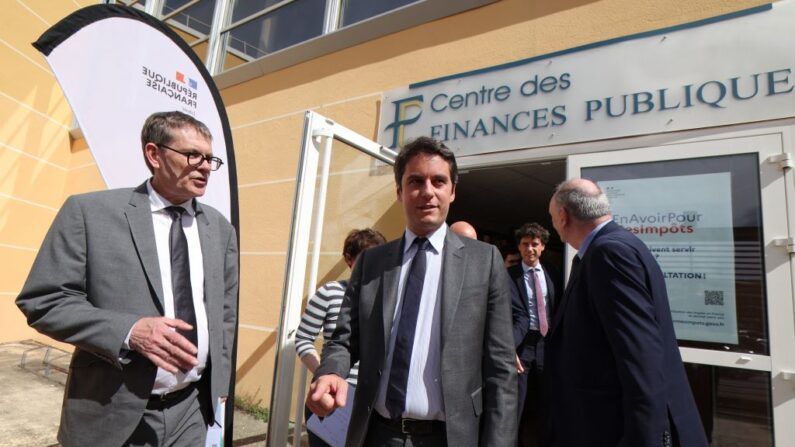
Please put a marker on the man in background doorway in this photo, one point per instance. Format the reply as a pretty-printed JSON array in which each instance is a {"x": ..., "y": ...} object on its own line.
[
  {"x": 534, "y": 298},
  {"x": 613, "y": 366},
  {"x": 428, "y": 317},
  {"x": 463, "y": 228}
]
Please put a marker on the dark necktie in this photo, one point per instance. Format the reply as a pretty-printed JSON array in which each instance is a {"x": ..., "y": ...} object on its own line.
[
  {"x": 180, "y": 274},
  {"x": 404, "y": 340}
]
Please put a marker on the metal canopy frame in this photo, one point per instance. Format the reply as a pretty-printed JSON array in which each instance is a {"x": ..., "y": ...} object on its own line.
[{"x": 307, "y": 225}]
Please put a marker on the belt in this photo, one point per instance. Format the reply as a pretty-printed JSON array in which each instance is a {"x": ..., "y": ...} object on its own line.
[
  {"x": 408, "y": 426},
  {"x": 166, "y": 400}
]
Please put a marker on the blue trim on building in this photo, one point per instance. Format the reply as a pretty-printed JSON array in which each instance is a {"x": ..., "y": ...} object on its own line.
[{"x": 590, "y": 46}]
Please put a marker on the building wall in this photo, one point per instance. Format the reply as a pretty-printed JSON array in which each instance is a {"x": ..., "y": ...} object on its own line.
[
  {"x": 39, "y": 165},
  {"x": 267, "y": 112}
]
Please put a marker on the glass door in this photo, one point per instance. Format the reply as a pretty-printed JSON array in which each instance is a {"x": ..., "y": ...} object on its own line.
[
  {"x": 344, "y": 182},
  {"x": 715, "y": 215}
]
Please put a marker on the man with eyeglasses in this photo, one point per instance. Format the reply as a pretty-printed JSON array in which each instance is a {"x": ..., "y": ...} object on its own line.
[{"x": 143, "y": 282}]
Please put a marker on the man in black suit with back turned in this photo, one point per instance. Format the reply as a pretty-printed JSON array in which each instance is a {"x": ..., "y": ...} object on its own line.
[
  {"x": 534, "y": 296},
  {"x": 613, "y": 368}
]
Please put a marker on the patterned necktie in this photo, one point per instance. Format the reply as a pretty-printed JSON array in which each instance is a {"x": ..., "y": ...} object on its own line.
[
  {"x": 541, "y": 307},
  {"x": 180, "y": 275},
  {"x": 404, "y": 339}
]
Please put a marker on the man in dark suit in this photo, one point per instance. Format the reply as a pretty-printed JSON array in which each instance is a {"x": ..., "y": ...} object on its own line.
[
  {"x": 613, "y": 369},
  {"x": 534, "y": 298},
  {"x": 143, "y": 282},
  {"x": 428, "y": 318}
]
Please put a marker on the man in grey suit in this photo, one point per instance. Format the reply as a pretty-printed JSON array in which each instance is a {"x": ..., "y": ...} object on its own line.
[
  {"x": 143, "y": 282},
  {"x": 428, "y": 316}
]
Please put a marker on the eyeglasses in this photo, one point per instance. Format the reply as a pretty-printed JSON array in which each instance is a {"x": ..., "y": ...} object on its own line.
[{"x": 196, "y": 159}]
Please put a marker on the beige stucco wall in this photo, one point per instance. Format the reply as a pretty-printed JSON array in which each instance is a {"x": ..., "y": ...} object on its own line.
[{"x": 40, "y": 165}]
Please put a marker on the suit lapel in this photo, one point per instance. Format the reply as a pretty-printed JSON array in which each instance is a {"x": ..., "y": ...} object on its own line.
[
  {"x": 393, "y": 261},
  {"x": 558, "y": 313},
  {"x": 453, "y": 263},
  {"x": 521, "y": 284},
  {"x": 139, "y": 217},
  {"x": 210, "y": 257},
  {"x": 550, "y": 289},
  {"x": 575, "y": 275}
]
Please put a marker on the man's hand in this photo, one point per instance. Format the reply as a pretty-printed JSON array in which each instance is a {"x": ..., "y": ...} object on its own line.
[
  {"x": 519, "y": 367},
  {"x": 326, "y": 394},
  {"x": 157, "y": 340}
]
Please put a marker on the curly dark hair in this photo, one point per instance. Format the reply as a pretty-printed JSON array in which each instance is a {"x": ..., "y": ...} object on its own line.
[{"x": 532, "y": 230}]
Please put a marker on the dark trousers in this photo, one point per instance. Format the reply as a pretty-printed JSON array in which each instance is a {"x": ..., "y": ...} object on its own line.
[
  {"x": 531, "y": 392},
  {"x": 382, "y": 435}
]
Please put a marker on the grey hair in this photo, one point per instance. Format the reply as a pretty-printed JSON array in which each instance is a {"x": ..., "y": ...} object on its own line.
[
  {"x": 159, "y": 126},
  {"x": 583, "y": 203}
]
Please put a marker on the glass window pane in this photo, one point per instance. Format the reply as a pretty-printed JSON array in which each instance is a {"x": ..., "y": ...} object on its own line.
[
  {"x": 702, "y": 220},
  {"x": 357, "y": 10},
  {"x": 734, "y": 405},
  {"x": 198, "y": 17},
  {"x": 291, "y": 24},
  {"x": 243, "y": 9}
]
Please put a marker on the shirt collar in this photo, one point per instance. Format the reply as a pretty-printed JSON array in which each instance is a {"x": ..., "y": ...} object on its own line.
[
  {"x": 587, "y": 241},
  {"x": 436, "y": 239},
  {"x": 158, "y": 202},
  {"x": 526, "y": 268}
]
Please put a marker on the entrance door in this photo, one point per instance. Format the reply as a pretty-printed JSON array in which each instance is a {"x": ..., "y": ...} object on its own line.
[
  {"x": 715, "y": 214},
  {"x": 344, "y": 182}
]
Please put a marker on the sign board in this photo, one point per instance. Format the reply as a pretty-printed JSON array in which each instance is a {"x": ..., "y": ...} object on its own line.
[{"x": 731, "y": 69}]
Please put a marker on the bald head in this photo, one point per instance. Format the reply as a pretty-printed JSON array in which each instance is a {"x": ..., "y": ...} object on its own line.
[
  {"x": 462, "y": 228},
  {"x": 577, "y": 207},
  {"x": 583, "y": 199}
]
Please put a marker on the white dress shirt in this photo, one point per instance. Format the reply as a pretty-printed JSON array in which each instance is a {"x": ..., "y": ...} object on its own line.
[
  {"x": 166, "y": 382},
  {"x": 424, "y": 398},
  {"x": 532, "y": 307}
]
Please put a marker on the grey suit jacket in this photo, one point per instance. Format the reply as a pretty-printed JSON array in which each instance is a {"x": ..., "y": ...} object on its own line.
[
  {"x": 95, "y": 275},
  {"x": 478, "y": 372}
]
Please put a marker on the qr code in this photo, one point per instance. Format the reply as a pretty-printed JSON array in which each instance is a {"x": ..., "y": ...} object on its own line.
[{"x": 713, "y": 297}]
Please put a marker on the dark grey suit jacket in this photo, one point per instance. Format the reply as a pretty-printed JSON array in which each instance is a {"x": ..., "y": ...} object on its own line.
[
  {"x": 478, "y": 371},
  {"x": 95, "y": 275}
]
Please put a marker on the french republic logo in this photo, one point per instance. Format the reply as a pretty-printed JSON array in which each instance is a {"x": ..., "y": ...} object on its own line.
[
  {"x": 191, "y": 82},
  {"x": 180, "y": 88}
]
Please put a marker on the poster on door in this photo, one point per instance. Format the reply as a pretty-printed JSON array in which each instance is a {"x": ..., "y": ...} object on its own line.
[{"x": 686, "y": 221}]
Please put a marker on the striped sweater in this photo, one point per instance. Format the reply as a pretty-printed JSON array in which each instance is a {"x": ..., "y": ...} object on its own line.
[{"x": 322, "y": 311}]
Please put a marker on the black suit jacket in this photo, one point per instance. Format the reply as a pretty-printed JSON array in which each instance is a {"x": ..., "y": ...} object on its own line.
[
  {"x": 613, "y": 367},
  {"x": 524, "y": 340}
]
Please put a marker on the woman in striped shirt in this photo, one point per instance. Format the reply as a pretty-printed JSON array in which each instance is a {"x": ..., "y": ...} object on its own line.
[{"x": 323, "y": 308}]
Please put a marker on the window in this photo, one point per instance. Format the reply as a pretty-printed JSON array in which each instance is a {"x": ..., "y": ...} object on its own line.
[
  {"x": 233, "y": 33},
  {"x": 354, "y": 11},
  {"x": 702, "y": 220},
  {"x": 285, "y": 25}
]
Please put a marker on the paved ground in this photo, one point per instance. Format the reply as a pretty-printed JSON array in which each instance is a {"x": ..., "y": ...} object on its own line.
[{"x": 30, "y": 399}]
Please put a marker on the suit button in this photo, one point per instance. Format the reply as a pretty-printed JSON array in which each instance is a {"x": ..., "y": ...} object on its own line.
[{"x": 379, "y": 372}]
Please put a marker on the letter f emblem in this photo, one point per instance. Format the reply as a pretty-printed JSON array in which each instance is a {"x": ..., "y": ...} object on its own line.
[{"x": 401, "y": 111}]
